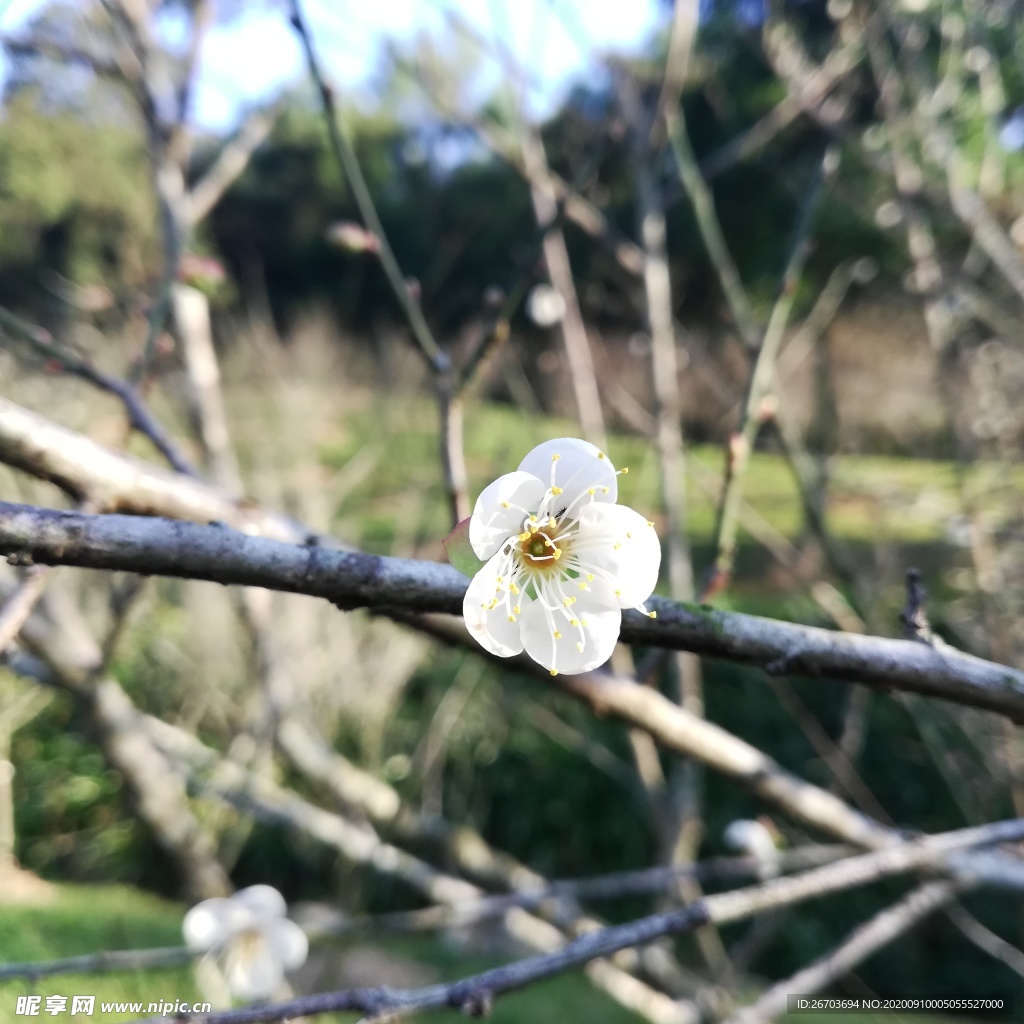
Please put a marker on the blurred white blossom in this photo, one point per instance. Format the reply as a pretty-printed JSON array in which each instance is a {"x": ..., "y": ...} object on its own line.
[
  {"x": 247, "y": 941},
  {"x": 756, "y": 840},
  {"x": 544, "y": 306}
]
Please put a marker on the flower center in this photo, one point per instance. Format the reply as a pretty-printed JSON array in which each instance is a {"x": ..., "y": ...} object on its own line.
[
  {"x": 542, "y": 545},
  {"x": 540, "y": 549},
  {"x": 247, "y": 944}
]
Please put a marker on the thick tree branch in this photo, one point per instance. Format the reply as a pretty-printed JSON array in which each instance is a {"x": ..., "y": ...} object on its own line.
[
  {"x": 128, "y": 484},
  {"x": 356, "y": 580}
]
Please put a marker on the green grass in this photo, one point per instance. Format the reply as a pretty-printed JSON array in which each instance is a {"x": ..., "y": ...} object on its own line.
[{"x": 86, "y": 919}]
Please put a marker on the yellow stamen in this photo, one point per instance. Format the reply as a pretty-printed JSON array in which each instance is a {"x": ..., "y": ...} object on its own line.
[
  {"x": 567, "y": 602},
  {"x": 652, "y": 615},
  {"x": 649, "y": 523},
  {"x": 505, "y": 504},
  {"x": 513, "y": 588},
  {"x": 579, "y": 646},
  {"x": 601, "y": 455},
  {"x": 516, "y": 610},
  {"x": 591, "y": 490},
  {"x": 511, "y": 618},
  {"x": 605, "y": 490},
  {"x": 574, "y": 622},
  {"x": 555, "y": 458},
  {"x": 556, "y": 490},
  {"x": 590, "y": 577},
  {"x": 553, "y": 672},
  {"x": 557, "y": 635}
]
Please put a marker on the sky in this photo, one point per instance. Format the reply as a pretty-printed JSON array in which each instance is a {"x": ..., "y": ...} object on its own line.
[{"x": 257, "y": 54}]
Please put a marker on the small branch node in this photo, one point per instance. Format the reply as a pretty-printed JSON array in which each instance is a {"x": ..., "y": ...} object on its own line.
[
  {"x": 786, "y": 663},
  {"x": 478, "y": 1004},
  {"x": 914, "y": 618}
]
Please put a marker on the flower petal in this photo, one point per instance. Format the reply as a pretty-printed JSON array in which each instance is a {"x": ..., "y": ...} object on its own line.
[
  {"x": 288, "y": 944},
  {"x": 262, "y": 900},
  {"x": 491, "y": 627},
  {"x": 619, "y": 544},
  {"x": 251, "y": 969},
  {"x": 598, "y": 619},
  {"x": 579, "y": 468},
  {"x": 492, "y": 523},
  {"x": 210, "y": 923}
]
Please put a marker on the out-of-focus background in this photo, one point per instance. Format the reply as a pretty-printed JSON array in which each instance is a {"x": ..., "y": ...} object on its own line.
[{"x": 900, "y": 372}]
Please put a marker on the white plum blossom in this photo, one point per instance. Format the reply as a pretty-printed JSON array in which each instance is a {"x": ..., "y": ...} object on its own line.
[
  {"x": 755, "y": 839},
  {"x": 562, "y": 559},
  {"x": 544, "y": 306},
  {"x": 248, "y": 939}
]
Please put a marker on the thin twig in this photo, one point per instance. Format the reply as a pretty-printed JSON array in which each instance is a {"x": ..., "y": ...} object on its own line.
[
  {"x": 864, "y": 941},
  {"x": 556, "y": 258},
  {"x": 683, "y": 824},
  {"x": 95, "y": 963},
  {"x": 167, "y": 155},
  {"x": 229, "y": 164},
  {"x": 346, "y": 157},
  {"x": 141, "y": 419},
  {"x": 449, "y": 406},
  {"x": 987, "y": 940},
  {"x": 741, "y": 442},
  {"x": 18, "y": 606},
  {"x": 711, "y": 233},
  {"x": 495, "y": 328},
  {"x": 837, "y": 65}
]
